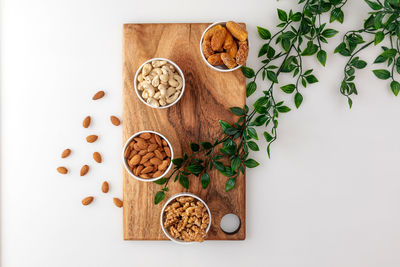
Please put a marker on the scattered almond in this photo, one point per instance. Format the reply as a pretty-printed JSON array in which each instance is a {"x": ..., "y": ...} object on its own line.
[
  {"x": 62, "y": 170},
  {"x": 84, "y": 170},
  {"x": 65, "y": 153},
  {"x": 98, "y": 95},
  {"x": 105, "y": 187},
  {"x": 87, "y": 200},
  {"x": 91, "y": 138},
  {"x": 118, "y": 202},
  {"x": 115, "y": 120},
  {"x": 97, "y": 157},
  {"x": 86, "y": 122}
]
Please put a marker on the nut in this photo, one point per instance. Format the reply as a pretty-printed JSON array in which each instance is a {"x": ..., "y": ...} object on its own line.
[
  {"x": 115, "y": 120},
  {"x": 86, "y": 122},
  {"x": 65, "y": 153},
  {"x": 87, "y": 200},
  {"x": 98, "y": 95},
  {"x": 118, "y": 202},
  {"x": 105, "y": 187},
  {"x": 62, "y": 170},
  {"x": 91, "y": 138},
  {"x": 187, "y": 219},
  {"x": 97, "y": 157},
  {"x": 84, "y": 170},
  {"x": 154, "y": 80}
]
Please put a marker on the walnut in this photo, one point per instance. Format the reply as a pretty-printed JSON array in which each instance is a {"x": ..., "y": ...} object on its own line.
[{"x": 186, "y": 219}]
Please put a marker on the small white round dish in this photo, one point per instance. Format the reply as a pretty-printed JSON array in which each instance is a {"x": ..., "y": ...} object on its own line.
[
  {"x": 135, "y": 81},
  {"x": 124, "y": 160},
  {"x": 185, "y": 194}
]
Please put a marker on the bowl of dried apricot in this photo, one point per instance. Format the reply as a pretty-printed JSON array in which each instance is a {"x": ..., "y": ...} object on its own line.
[
  {"x": 159, "y": 83},
  {"x": 185, "y": 218},
  {"x": 224, "y": 46},
  {"x": 147, "y": 156}
]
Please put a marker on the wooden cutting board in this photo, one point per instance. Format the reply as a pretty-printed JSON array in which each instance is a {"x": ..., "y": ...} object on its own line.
[{"x": 207, "y": 97}]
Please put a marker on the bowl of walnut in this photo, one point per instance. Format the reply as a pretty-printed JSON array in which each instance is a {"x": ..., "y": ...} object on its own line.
[
  {"x": 224, "y": 46},
  {"x": 147, "y": 156},
  {"x": 185, "y": 218},
  {"x": 159, "y": 83}
]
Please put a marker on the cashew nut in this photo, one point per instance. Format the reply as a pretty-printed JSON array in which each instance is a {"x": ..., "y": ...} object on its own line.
[{"x": 160, "y": 83}]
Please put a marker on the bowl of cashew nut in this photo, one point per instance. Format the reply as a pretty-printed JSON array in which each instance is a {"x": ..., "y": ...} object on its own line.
[{"x": 159, "y": 83}]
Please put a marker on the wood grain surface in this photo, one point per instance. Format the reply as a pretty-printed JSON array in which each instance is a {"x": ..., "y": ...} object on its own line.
[{"x": 207, "y": 97}]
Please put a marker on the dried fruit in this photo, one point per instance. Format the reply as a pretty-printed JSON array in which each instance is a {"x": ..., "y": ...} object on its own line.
[
  {"x": 237, "y": 31},
  {"x": 228, "y": 60},
  {"x": 86, "y": 122},
  {"x": 62, "y": 170},
  {"x": 242, "y": 53},
  {"x": 218, "y": 39},
  {"x": 115, "y": 120},
  {"x": 91, "y": 138},
  {"x": 105, "y": 187},
  {"x": 215, "y": 59},
  {"x": 97, "y": 157},
  {"x": 87, "y": 200},
  {"x": 118, "y": 202},
  {"x": 98, "y": 95},
  {"x": 65, "y": 153},
  {"x": 84, "y": 170}
]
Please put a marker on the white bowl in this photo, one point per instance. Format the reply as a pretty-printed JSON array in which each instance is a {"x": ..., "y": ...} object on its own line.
[
  {"x": 178, "y": 70},
  {"x": 217, "y": 68},
  {"x": 127, "y": 166},
  {"x": 169, "y": 201}
]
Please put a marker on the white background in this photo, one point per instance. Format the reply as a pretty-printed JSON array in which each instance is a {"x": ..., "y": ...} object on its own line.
[{"x": 330, "y": 195}]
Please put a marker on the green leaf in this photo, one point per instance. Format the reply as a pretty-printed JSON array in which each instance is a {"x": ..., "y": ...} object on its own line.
[
  {"x": 282, "y": 15},
  {"x": 178, "y": 162},
  {"x": 359, "y": 64},
  {"x": 218, "y": 165},
  {"x": 298, "y": 99},
  {"x": 268, "y": 137},
  {"x": 395, "y": 86},
  {"x": 195, "y": 169},
  {"x": 161, "y": 181},
  {"x": 374, "y": 5},
  {"x": 382, "y": 74},
  {"x": 206, "y": 145},
  {"x": 237, "y": 111},
  {"x": 296, "y": 17},
  {"x": 283, "y": 109},
  {"x": 248, "y": 72},
  {"x": 379, "y": 36},
  {"x": 328, "y": 33},
  {"x": 311, "y": 79},
  {"x": 230, "y": 184},
  {"x": 311, "y": 49},
  {"x": 380, "y": 59},
  {"x": 340, "y": 47},
  {"x": 224, "y": 125},
  {"x": 159, "y": 197},
  {"x": 322, "y": 57},
  {"x": 337, "y": 14},
  {"x": 235, "y": 163},
  {"x": 194, "y": 147},
  {"x": 263, "y": 33},
  {"x": 260, "y": 120},
  {"x": 251, "y": 88},
  {"x": 251, "y": 163},
  {"x": 253, "y": 133},
  {"x": 184, "y": 181},
  {"x": 288, "y": 88},
  {"x": 205, "y": 180},
  {"x": 350, "y": 102},
  {"x": 389, "y": 53},
  {"x": 253, "y": 146},
  {"x": 272, "y": 76}
]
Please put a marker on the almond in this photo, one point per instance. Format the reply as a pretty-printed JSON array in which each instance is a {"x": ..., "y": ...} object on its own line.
[
  {"x": 65, "y": 153},
  {"x": 152, "y": 140},
  {"x": 86, "y": 122},
  {"x": 142, "y": 144},
  {"x": 164, "y": 143},
  {"x": 152, "y": 147},
  {"x": 167, "y": 151},
  {"x": 97, "y": 157},
  {"x": 144, "y": 175},
  {"x": 62, "y": 170},
  {"x": 118, "y": 202},
  {"x": 91, "y": 138},
  {"x": 98, "y": 95},
  {"x": 155, "y": 161},
  {"x": 135, "y": 160},
  {"x": 127, "y": 152},
  {"x": 138, "y": 170},
  {"x": 158, "y": 140},
  {"x": 163, "y": 165},
  {"x": 115, "y": 120},
  {"x": 157, "y": 173},
  {"x": 84, "y": 170},
  {"x": 146, "y": 135},
  {"x": 147, "y": 169},
  {"x": 147, "y": 157},
  {"x": 158, "y": 154},
  {"x": 142, "y": 152},
  {"x": 87, "y": 200},
  {"x": 105, "y": 187}
]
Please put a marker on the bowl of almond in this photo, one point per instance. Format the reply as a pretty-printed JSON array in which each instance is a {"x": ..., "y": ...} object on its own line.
[
  {"x": 224, "y": 46},
  {"x": 185, "y": 218},
  {"x": 147, "y": 156}
]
